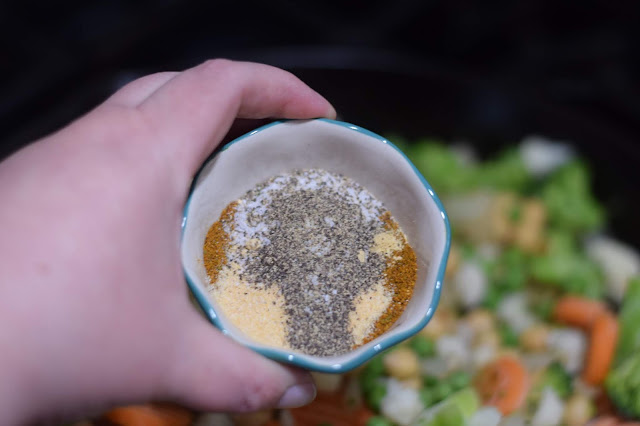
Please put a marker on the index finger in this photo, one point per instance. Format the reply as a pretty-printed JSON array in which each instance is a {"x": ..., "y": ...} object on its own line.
[{"x": 194, "y": 110}]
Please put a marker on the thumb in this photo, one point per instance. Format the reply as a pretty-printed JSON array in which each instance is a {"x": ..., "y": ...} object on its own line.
[{"x": 214, "y": 373}]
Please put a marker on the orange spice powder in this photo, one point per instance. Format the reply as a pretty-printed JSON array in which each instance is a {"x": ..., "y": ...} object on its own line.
[
  {"x": 216, "y": 243},
  {"x": 401, "y": 275}
]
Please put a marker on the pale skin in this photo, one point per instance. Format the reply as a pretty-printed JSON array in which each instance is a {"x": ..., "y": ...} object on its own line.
[{"x": 94, "y": 310}]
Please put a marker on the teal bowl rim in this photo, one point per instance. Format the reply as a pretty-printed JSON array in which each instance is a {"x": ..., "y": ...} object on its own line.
[{"x": 385, "y": 342}]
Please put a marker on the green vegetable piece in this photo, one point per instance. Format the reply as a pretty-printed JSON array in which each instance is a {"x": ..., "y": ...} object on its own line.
[
  {"x": 430, "y": 381},
  {"x": 375, "y": 394},
  {"x": 629, "y": 320},
  {"x": 508, "y": 336},
  {"x": 493, "y": 297},
  {"x": 555, "y": 377},
  {"x": 563, "y": 266},
  {"x": 423, "y": 346},
  {"x": 453, "y": 411},
  {"x": 569, "y": 201},
  {"x": 441, "y": 167},
  {"x": 371, "y": 373},
  {"x": 623, "y": 386},
  {"x": 506, "y": 172},
  {"x": 467, "y": 400},
  {"x": 441, "y": 391},
  {"x": 543, "y": 308},
  {"x": 376, "y": 366},
  {"x": 509, "y": 271},
  {"x": 515, "y": 214},
  {"x": 459, "y": 380},
  {"x": 427, "y": 397},
  {"x": 378, "y": 421}
]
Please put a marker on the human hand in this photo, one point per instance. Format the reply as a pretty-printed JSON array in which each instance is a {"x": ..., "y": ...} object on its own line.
[{"x": 94, "y": 310}]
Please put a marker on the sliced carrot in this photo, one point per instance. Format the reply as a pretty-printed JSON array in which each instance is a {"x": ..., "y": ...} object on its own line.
[
  {"x": 150, "y": 415},
  {"x": 604, "y": 421},
  {"x": 602, "y": 345},
  {"x": 578, "y": 311},
  {"x": 503, "y": 383},
  {"x": 362, "y": 416}
]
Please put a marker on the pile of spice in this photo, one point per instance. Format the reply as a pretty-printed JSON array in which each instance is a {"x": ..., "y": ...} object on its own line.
[{"x": 310, "y": 261}]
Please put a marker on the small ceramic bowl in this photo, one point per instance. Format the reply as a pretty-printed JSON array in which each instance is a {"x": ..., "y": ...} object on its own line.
[{"x": 337, "y": 147}]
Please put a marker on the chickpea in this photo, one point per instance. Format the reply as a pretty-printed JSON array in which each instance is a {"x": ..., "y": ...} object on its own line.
[
  {"x": 402, "y": 363},
  {"x": 534, "y": 339},
  {"x": 414, "y": 383},
  {"x": 480, "y": 321},
  {"x": 529, "y": 235},
  {"x": 257, "y": 418},
  {"x": 327, "y": 383},
  {"x": 488, "y": 338},
  {"x": 442, "y": 322},
  {"x": 578, "y": 410},
  {"x": 502, "y": 227},
  {"x": 534, "y": 212}
]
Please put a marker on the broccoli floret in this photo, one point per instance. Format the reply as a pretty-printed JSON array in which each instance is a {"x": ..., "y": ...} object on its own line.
[
  {"x": 623, "y": 386},
  {"x": 441, "y": 167},
  {"x": 629, "y": 318},
  {"x": 506, "y": 172},
  {"x": 555, "y": 377},
  {"x": 569, "y": 200},
  {"x": 509, "y": 271},
  {"x": 566, "y": 268}
]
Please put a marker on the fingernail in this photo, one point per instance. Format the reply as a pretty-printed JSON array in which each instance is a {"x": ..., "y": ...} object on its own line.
[
  {"x": 331, "y": 113},
  {"x": 297, "y": 396}
]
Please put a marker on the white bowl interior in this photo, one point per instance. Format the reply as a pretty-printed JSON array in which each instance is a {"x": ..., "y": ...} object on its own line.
[{"x": 377, "y": 166}]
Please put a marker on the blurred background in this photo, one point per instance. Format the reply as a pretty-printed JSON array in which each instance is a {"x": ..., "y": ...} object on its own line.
[{"x": 451, "y": 69}]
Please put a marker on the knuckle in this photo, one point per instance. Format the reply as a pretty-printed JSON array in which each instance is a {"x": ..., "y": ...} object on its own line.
[
  {"x": 259, "y": 393},
  {"x": 217, "y": 66}
]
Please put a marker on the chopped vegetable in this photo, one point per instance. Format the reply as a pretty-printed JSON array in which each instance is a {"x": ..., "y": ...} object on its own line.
[
  {"x": 629, "y": 319},
  {"x": 550, "y": 409},
  {"x": 506, "y": 172},
  {"x": 509, "y": 337},
  {"x": 371, "y": 373},
  {"x": 401, "y": 363},
  {"x": 423, "y": 346},
  {"x": 504, "y": 383},
  {"x": 568, "y": 346},
  {"x": 375, "y": 394},
  {"x": 459, "y": 380},
  {"x": 569, "y": 201},
  {"x": 542, "y": 156},
  {"x": 150, "y": 415},
  {"x": 454, "y": 410},
  {"x": 378, "y": 421},
  {"x": 578, "y": 410},
  {"x": 554, "y": 377},
  {"x": 485, "y": 416},
  {"x": 509, "y": 272},
  {"x": 401, "y": 405},
  {"x": 470, "y": 284},
  {"x": 445, "y": 170},
  {"x": 622, "y": 386},
  {"x": 578, "y": 311},
  {"x": 602, "y": 346},
  {"x": 618, "y": 261},
  {"x": 534, "y": 338},
  {"x": 513, "y": 310},
  {"x": 565, "y": 268}
]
